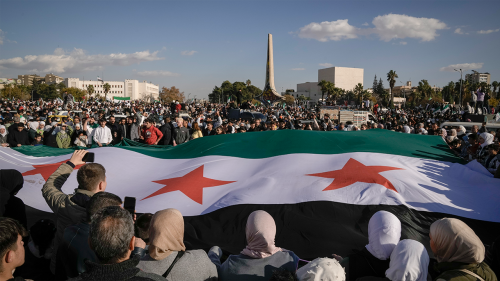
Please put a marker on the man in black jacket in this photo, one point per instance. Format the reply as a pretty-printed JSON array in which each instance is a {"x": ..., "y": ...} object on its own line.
[
  {"x": 208, "y": 131},
  {"x": 19, "y": 136},
  {"x": 111, "y": 236},
  {"x": 166, "y": 129},
  {"x": 74, "y": 247}
]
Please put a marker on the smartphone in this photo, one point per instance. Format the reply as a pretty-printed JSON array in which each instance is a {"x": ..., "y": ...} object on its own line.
[
  {"x": 129, "y": 205},
  {"x": 88, "y": 157}
]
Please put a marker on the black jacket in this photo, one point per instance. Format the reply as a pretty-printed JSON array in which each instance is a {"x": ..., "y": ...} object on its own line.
[
  {"x": 17, "y": 137},
  {"x": 362, "y": 264},
  {"x": 49, "y": 139},
  {"x": 166, "y": 130},
  {"x": 206, "y": 132},
  {"x": 126, "y": 270}
]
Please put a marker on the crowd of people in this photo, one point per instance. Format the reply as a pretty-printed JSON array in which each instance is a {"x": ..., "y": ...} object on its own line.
[
  {"x": 94, "y": 238},
  {"x": 93, "y": 123}
]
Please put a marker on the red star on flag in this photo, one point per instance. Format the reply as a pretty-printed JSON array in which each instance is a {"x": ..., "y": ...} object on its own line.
[
  {"x": 354, "y": 171},
  {"x": 46, "y": 170},
  {"x": 191, "y": 184}
]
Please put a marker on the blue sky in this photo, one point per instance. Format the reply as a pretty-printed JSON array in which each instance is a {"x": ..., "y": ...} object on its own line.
[{"x": 195, "y": 45}]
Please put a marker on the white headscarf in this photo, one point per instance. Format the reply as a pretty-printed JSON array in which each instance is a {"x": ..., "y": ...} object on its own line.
[
  {"x": 422, "y": 131},
  {"x": 3, "y": 127},
  {"x": 461, "y": 130},
  {"x": 34, "y": 125},
  {"x": 406, "y": 129},
  {"x": 384, "y": 232},
  {"x": 321, "y": 269},
  {"x": 409, "y": 262},
  {"x": 488, "y": 139}
]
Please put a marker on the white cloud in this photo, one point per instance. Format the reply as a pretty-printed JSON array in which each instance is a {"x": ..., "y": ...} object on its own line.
[
  {"x": 2, "y": 36},
  {"x": 488, "y": 31},
  {"x": 298, "y": 69},
  {"x": 459, "y": 31},
  {"x": 387, "y": 27},
  {"x": 392, "y": 26},
  {"x": 164, "y": 48},
  {"x": 365, "y": 24},
  {"x": 188, "y": 53},
  {"x": 328, "y": 30},
  {"x": 463, "y": 66},
  {"x": 403, "y": 43},
  {"x": 157, "y": 73},
  {"x": 326, "y": 64},
  {"x": 76, "y": 61}
]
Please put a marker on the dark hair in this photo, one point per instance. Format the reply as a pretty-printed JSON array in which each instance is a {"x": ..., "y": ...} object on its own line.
[
  {"x": 111, "y": 231},
  {"x": 494, "y": 147},
  {"x": 42, "y": 233},
  {"x": 142, "y": 226},
  {"x": 283, "y": 275},
  {"x": 89, "y": 176},
  {"x": 9, "y": 230},
  {"x": 101, "y": 200}
]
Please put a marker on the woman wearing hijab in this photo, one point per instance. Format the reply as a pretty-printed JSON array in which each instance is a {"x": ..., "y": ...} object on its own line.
[
  {"x": 166, "y": 244},
  {"x": 384, "y": 232},
  {"x": 485, "y": 139},
  {"x": 409, "y": 262},
  {"x": 452, "y": 136},
  {"x": 459, "y": 252},
  {"x": 260, "y": 257},
  {"x": 33, "y": 130},
  {"x": 461, "y": 132},
  {"x": 321, "y": 269},
  {"x": 3, "y": 136},
  {"x": 50, "y": 135},
  {"x": 11, "y": 181},
  {"x": 19, "y": 137}
]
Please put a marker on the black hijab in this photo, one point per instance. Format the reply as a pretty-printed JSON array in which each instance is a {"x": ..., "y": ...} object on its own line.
[{"x": 11, "y": 181}]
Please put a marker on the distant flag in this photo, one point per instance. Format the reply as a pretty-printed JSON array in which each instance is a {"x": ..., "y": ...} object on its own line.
[{"x": 99, "y": 79}]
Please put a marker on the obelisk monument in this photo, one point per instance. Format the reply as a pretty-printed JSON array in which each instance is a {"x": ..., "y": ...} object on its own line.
[{"x": 269, "y": 94}]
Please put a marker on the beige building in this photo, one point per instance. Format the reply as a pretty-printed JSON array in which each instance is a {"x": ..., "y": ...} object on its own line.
[
  {"x": 343, "y": 77},
  {"x": 49, "y": 79},
  {"x": 477, "y": 77}
]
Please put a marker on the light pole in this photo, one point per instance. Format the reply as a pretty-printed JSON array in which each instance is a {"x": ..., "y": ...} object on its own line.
[
  {"x": 460, "y": 99},
  {"x": 404, "y": 94}
]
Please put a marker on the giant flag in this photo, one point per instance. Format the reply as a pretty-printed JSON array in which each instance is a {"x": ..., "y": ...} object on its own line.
[{"x": 320, "y": 187}]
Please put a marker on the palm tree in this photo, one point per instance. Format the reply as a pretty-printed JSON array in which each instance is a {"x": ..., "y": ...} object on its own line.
[
  {"x": 358, "y": 91},
  {"x": 495, "y": 86},
  {"x": 248, "y": 82},
  {"x": 90, "y": 89},
  {"x": 106, "y": 88},
  {"x": 391, "y": 77},
  {"x": 324, "y": 88}
]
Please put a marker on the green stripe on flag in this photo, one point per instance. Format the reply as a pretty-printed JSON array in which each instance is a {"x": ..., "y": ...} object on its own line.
[{"x": 255, "y": 145}]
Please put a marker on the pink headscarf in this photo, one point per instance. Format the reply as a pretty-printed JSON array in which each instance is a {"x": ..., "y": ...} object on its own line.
[{"x": 260, "y": 232}]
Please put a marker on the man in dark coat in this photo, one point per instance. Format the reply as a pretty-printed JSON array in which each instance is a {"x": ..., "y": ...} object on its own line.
[
  {"x": 19, "y": 137},
  {"x": 166, "y": 129}
]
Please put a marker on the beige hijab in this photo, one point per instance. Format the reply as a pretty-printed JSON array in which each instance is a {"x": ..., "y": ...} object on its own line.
[
  {"x": 166, "y": 233},
  {"x": 455, "y": 241},
  {"x": 260, "y": 232}
]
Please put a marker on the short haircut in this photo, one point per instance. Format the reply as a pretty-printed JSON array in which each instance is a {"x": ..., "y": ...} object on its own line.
[
  {"x": 9, "y": 229},
  {"x": 494, "y": 147},
  {"x": 142, "y": 226},
  {"x": 101, "y": 200},
  {"x": 90, "y": 175},
  {"x": 42, "y": 233},
  {"x": 111, "y": 231},
  {"x": 17, "y": 119}
]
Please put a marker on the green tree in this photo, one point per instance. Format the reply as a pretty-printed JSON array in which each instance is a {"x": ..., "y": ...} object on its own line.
[
  {"x": 237, "y": 86},
  {"x": 248, "y": 82},
  {"x": 78, "y": 94},
  {"x": 324, "y": 88},
  {"x": 48, "y": 92},
  {"x": 391, "y": 77},
  {"x": 358, "y": 91},
  {"x": 227, "y": 89},
  {"x": 375, "y": 84},
  {"x": 495, "y": 86},
  {"x": 425, "y": 89},
  {"x": 289, "y": 99},
  {"x": 215, "y": 96},
  {"x": 106, "y": 87},
  {"x": 90, "y": 89},
  {"x": 251, "y": 92},
  {"x": 170, "y": 94}
]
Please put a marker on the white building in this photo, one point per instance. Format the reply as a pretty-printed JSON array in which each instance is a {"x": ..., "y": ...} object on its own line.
[
  {"x": 343, "y": 77},
  {"x": 130, "y": 88}
]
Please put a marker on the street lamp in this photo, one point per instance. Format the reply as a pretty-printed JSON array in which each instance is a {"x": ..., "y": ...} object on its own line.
[{"x": 460, "y": 86}]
